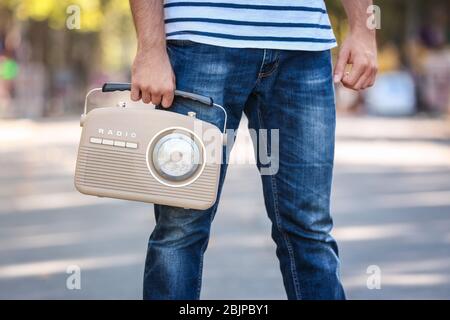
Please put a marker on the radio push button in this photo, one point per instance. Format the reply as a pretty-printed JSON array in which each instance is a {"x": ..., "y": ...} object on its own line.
[
  {"x": 119, "y": 143},
  {"x": 131, "y": 145},
  {"x": 95, "y": 140},
  {"x": 108, "y": 142}
]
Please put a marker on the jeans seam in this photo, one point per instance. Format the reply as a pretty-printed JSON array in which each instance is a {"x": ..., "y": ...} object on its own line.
[
  {"x": 286, "y": 240},
  {"x": 258, "y": 75},
  {"x": 268, "y": 73},
  {"x": 288, "y": 243},
  {"x": 262, "y": 62},
  {"x": 200, "y": 267}
]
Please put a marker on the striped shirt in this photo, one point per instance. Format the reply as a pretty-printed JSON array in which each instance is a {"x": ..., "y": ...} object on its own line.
[{"x": 267, "y": 24}]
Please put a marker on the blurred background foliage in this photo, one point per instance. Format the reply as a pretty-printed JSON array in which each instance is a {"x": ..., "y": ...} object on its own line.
[
  {"x": 36, "y": 43},
  {"x": 391, "y": 198}
]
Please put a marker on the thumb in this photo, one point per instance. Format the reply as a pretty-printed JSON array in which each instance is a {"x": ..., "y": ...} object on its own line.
[{"x": 342, "y": 61}]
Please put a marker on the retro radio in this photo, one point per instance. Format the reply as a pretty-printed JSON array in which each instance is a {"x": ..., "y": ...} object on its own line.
[{"x": 135, "y": 152}]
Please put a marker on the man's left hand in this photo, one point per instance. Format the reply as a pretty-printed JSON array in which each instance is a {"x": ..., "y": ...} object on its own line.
[{"x": 360, "y": 51}]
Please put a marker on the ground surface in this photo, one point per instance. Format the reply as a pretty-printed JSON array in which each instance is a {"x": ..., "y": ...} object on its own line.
[{"x": 391, "y": 206}]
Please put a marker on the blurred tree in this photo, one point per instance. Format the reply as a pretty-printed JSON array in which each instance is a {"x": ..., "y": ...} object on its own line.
[
  {"x": 75, "y": 58},
  {"x": 36, "y": 31},
  {"x": 54, "y": 12},
  {"x": 110, "y": 20}
]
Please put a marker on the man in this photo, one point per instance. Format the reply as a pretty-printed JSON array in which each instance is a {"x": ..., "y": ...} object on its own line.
[{"x": 270, "y": 60}]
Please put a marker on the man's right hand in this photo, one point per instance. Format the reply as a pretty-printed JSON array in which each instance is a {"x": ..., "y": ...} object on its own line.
[{"x": 152, "y": 78}]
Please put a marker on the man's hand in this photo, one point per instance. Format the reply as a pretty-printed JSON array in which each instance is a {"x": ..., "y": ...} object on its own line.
[
  {"x": 358, "y": 50},
  {"x": 152, "y": 77}
]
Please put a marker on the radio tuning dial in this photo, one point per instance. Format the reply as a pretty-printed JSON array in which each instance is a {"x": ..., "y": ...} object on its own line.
[{"x": 176, "y": 157}]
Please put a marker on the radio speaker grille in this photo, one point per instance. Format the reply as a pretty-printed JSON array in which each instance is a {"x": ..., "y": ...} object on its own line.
[{"x": 126, "y": 171}]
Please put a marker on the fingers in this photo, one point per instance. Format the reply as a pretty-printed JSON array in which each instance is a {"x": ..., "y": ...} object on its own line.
[
  {"x": 362, "y": 75},
  {"x": 363, "y": 71},
  {"x": 162, "y": 96},
  {"x": 153, "y": 78},
  {"x": 145, "y": 92},
  {"x": 343, "y": 58},
  {"x": 362, "y": 83},
  {"x": 351, "y": 78},
  {"x": 371, "y": 80},
  {"x": 156, "y": 98},
  {"x": 148, "y": 94},
  {"x": 367, "y": 80},
  {"x": 167, "y": 99},
  {"x": 168, "y": 96},
  {"x": 135, "y": 93}
]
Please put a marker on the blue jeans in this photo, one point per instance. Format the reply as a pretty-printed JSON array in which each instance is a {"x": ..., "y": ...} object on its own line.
[{"x": 277, "y": 89}]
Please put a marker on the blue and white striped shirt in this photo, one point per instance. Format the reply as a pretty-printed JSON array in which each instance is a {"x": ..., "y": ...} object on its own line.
[{"x": 268, "y": 24}]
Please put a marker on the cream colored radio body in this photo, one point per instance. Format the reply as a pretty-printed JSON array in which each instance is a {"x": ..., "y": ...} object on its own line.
[{"x": 144, "y": 154}]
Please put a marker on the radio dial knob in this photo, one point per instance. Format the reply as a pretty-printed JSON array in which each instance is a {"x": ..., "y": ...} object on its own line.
[{"x": 176, "y": 157}]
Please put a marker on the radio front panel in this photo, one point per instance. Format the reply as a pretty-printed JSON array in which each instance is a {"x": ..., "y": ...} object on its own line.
[{"x": 149, "y": 155}]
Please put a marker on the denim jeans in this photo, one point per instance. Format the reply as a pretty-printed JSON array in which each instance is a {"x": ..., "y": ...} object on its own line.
[{"x": 277, "y": 89}]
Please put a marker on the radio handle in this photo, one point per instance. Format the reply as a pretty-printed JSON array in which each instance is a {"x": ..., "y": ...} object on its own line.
[{"x": 115, "y": 86}]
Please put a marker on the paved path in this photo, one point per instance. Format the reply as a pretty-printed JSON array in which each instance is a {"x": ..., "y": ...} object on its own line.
[{"x": 391, "y": 207}]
